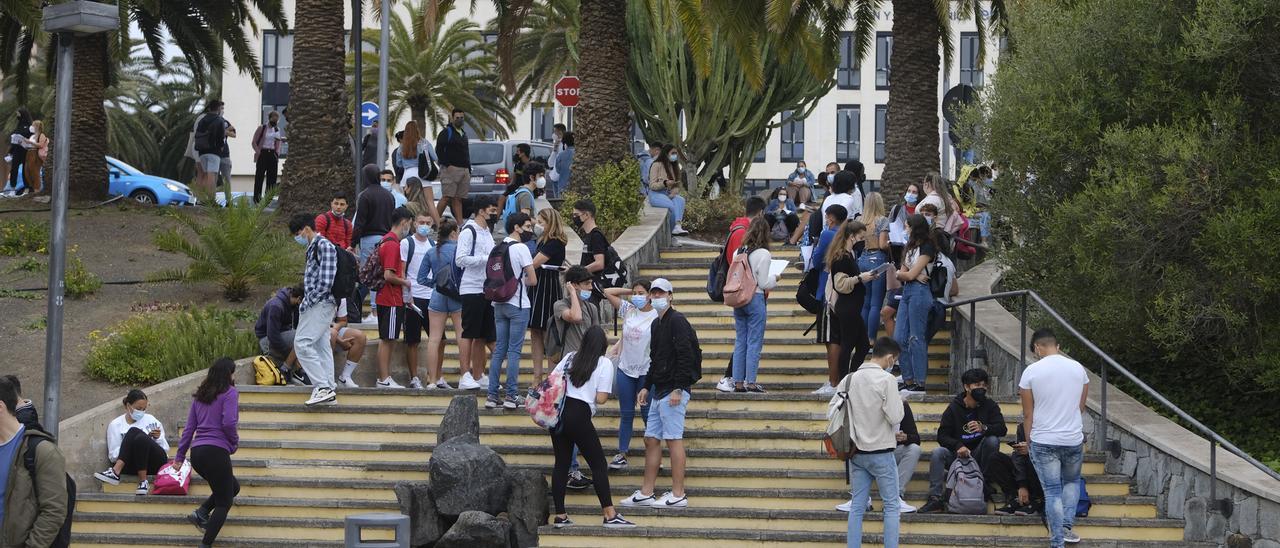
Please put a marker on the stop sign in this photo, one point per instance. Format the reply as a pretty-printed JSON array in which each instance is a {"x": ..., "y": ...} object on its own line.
[{"x": 567, "y": 91}]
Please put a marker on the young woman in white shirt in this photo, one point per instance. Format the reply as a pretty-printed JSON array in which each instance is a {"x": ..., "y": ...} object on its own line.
[
  {"x": 631, "y": 354},
  {"x": 749, "y": 320},
  {"x": 588, "y": 384},
  {"x": 135, "y": 443}
]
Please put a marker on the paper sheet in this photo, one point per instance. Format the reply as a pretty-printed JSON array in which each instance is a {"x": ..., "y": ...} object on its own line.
[{"x": 776, "y": 266}]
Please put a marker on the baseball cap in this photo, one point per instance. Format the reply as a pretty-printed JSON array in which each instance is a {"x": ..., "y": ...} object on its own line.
[{"x": 663, "y": 284}]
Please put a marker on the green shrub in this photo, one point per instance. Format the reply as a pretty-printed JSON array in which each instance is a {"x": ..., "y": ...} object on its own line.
[
  {"x": 615, "y": 190},
  {"x": 703, "y": 215},
  {"x": 80, "y": 282},
  {"x": 152, "y": 348},
  {"x": 20, "y": 237},
  {"x": 29, "y": 264},
  {"x": 238, "y": 247}
]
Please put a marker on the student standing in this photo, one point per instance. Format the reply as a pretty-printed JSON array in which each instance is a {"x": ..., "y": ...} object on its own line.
[
  {"x": 875, "y": 252},
  {"x": 413, "y": 250},
  {"x": 453, "y": 150},
  {"x": 511, "y": 318},
  {"x": 34, "y": 506},
  {"x": 753, "y": 207},
  {"x": 917, "y": 300},
  {"x": 390, "y": 301},
  {"x": 1054, "y": 391},
  {"x": 135, "y": 443},
  {"x": 562, "y": 166},
  {"x": 595, "y": 246},
  {"x": 590, "y": 379},
  {"x": 372, "y": 219},
  {"x": 875, "y": 409},
  {"x": 311, "y": 343},
  {"x": 828, "y": 332},
  {"x": 445, "y": 303},
  {"x": 334, "y": 225},
  {"x": 266, "y": 155},
  {"x": 18, "y": 145},
  {"x": 548, "y": 262},
  {"x": 845, "y": 289},
  {"x": 212, "y": 435},
  {"x": 36, "y": 155},
  {"x": 632, "y": 352},
  {"x": 475, "y": 241},
  {"x": 749, "y": 320}
]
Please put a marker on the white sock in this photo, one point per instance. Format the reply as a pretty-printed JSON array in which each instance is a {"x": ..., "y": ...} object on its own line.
[{"x": 350, "y": 367}]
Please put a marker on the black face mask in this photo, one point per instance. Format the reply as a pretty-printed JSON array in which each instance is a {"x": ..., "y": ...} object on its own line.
[
  {"x": 979, "y": 394},
  {"x": 577, "y": 221},
  {"x": 526, "y": 236},
  {"x": 491, "y": 219}
]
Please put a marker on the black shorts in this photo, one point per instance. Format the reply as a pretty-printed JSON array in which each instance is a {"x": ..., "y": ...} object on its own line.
[
  {"x": 894, "y": 299},
  {"x": 414, "y": 323},
  {"x": 477, "y": 318},
  {"x": 828, "y": 331},
  {"x": 390, "y": 321}
]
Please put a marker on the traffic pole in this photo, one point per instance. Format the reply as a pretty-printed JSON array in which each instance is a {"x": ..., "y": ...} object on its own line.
[
  {"x": 58, "y": 234},
  {"x": 382, "y": 81}
]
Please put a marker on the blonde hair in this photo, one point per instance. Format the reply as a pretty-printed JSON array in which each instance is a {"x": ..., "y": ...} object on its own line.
[
  {"x": 872, "y": 210},
  {"x": 939, "y": 185},
  {"x": 840, "y": 243},
  {"x": 39, "y": 125},
  {"x": 554, "y": 227}
]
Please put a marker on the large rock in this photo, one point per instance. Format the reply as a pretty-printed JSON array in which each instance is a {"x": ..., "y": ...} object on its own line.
[
  {"x": 528, "y": 505},
  {"x": 477, "y": 530},
  {"x": 468, "y": 476},
  {"x": 425, "y": 523},
  {"x": 462, "y": 419}
]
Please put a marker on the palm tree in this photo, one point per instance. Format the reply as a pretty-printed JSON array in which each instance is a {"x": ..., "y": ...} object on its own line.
[
  {"x": 429, "y": 74},
  {"x": 545, "y": 49},
  {"x": 19, "y": 32}
]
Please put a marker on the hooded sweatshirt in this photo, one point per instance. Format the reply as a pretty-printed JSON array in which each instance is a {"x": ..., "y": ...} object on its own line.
[
  {"x": 374, "y": 206},
  {"x": 276, "y": 317},
  {"x": 951, "y": 434}
]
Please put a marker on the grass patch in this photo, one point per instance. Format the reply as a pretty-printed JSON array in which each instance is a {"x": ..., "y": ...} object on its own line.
[
  {"x": 152, "y": 348},
  {"x": 15, "y": 294},
  {"x": 29, "y": 264},
  {"x": 80, "y": 282},
  {"x": 38, "y": 324},
  {"x": 21, "y": 237}
]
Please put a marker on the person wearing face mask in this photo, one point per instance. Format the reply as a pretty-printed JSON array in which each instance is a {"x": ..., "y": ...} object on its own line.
[
  {"x": 548, "y": 262},
  {"x": 334, "y": 225},
  {"x": 276, "y": 330},
  {"x": 782, "y": 208},
  {"x": 311, "y": 343},
  {"x": 520, "y": 194},
  {"x": 665, "y": 176},
  {"x": 898, "y": 221},
  {"x": 971, "y": 427},
  {"x": 454, "y": 151},
  {"x": 135, "y": 443},
  {"x": 372, "y": 220},
  {"x": 475, "y": 241},
  {"x": 391, "y": 302},
  {"x": 573, "y": 315},
  {"x": 595, "y": 246},
  {"x": 413, "y": 251},
  {"x": 511, "y": 317},
  {"x": 846, "y": 288},
  {"x": 916, "y": 303},
  {"x": 267, "y": 141},
  {"x": 631, "y": 355},
  {"x": 800, "y": 182}
]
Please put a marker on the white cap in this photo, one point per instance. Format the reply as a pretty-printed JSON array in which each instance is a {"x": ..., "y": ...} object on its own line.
[{"x": 663, "y": 284}]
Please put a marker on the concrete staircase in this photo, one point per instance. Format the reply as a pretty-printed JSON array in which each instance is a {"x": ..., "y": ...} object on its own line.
[{"x": 756, "y": 475}]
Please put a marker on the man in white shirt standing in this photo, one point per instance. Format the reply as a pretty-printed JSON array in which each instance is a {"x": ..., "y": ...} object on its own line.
[
  {"x": 417, "y": 296},
  {"x": 1054, "y": 390},
  {"x": 475, "y": 241},
  {"x": 511, "y": 317}
]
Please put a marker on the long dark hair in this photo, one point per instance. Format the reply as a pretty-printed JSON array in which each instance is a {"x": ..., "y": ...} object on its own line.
[
  {"x": 587, "y": 356},
  {"x": 218, "y": 380},
  {"x": 919, "y": 230},
  {"x": 672, "y": 169},
  {"x": 24, "y": 118}
]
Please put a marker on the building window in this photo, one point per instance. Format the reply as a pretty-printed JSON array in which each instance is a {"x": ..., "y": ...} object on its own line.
[
  {"x": 849, "y": 72},
  {"x": 848, "y": 124},
  {"x": 792, "y": 137},
  {"x": 759, "y": 158},
  {"x": 543, "y": 122},
  {"x": 277, "y": 67},
  {"x": 884, "y": 48},
  {"x": 970, "y": 69},
  {"x": 881, "y": 113}
]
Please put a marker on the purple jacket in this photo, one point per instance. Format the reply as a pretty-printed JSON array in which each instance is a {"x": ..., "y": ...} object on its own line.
[{"x": 212, "y": 423}]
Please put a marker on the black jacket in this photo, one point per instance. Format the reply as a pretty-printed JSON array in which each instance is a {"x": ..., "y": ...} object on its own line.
[
  {"x": 951, "y": 432},
  {"x": 908, "y": 426},
  {"x": 373, "y": 212},
  {"x": 277, "y": 316},
  {"x": 673, "y": 354},
  {"x": 453, "y": 149}
]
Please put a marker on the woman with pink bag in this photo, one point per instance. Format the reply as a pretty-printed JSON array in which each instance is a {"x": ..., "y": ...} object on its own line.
[{"x": 135, "y": 443}]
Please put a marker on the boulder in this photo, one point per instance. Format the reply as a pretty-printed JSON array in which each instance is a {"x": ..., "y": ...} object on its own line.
[
  {"x": 425, "y": 523},
  {"x": 461, "y": 419},
  {"x": 476, "y": 530},
  {"x": 528, "y": 505},
  {"x": 468, "y": 476}
]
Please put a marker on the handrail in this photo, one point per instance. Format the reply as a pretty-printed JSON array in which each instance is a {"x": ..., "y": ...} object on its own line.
[{"x": 1214, "y": 438}]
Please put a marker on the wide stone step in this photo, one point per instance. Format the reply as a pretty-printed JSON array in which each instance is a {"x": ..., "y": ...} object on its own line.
[
  {"x": 596, "y": 536},
  {"x": 309, "y": 529}
]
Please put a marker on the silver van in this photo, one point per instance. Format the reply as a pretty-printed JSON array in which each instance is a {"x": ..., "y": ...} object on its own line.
[{"x": 493, "y": 162}]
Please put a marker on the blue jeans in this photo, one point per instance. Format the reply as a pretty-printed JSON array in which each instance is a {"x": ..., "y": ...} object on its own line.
[
  {"x": 883, "y": 468},
  {"x": 874, "y": 299},
  {"x": 368, "y": 246},
  {"x": 1059, "y": 469},
  {"x": 913, "y": 319},
  {"x": 510, "y": 323},
  {"x": 748, "y": 323},
  {"x": 676, "y": 205},
  {"x": 627, "y": 389}
]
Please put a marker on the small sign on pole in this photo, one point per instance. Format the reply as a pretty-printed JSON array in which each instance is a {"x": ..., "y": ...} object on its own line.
[
  {"x": 368, "y": 113},
  {"x": 567, "y": 91}
]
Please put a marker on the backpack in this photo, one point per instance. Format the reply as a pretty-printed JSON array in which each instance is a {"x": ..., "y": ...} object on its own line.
[
  {"x": 719, "y": 270},
  {"x": 938, "y": 279},
  {"x": 427, "y": 168},
  {"x": 807, "y": 292},
  {"x": 740, "y": 286},
  {"x": 202, "y": 139},
  {"x": 446, "y": 274},
  {"x": 968, "y": 495},
  {"x": 779, "y": 231},
  {"x": 837, "y": 440},
  {"x": 63, "y": 539},
  {"x": 963, "y": 250},
  {"x": 1084, "y": 503},
  {"x": 513, "y": 203},
  {"x": 500, "y": 280},
  {"x": 266, "y": 372},
  {"x": 372, "y": 274},
  {"x": 615, "y": 271},
  {"x": 344, "y": 278},
  {"x": 545, "y": 401}
]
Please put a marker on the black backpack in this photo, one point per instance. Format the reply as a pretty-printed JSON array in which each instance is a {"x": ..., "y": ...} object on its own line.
[
  {"x": 937, "y": 278},
  {"x": 63, "y": 540},
  {"x": 719, "y": 270},
  {"x": 615, "y": 271},
  {"x": 203, "y": 142},
  {"x": 344, "y": 280},
  {"x": 807, "y": 292}
]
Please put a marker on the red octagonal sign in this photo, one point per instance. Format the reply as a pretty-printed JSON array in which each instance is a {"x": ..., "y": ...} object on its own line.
[{"x": 567, "y": 91}]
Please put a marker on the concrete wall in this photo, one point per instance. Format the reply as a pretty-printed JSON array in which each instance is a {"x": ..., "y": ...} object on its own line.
[{"x": 1161, "y": 458}]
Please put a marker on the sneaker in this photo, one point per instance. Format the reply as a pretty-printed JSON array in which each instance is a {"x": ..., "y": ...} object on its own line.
[
  {"x": 415, "y": 383},
  {"x": 825, "y": 389},
  {"x": 431, "y": 386},
  {"x": 467, "y": 382},
  {"x": 617, "y": 522},
  {"x": 845, "y": 506},
  {"x": 638, "y": 499},
  {"x": 678, "y": 230},
  {"x": 322, "y": 395},
  {"x": 483, "y": 380},
  {"x": 914, "y": 389},
  {"x": 108, "y": 476},
  {"x": 443, "y": 385},
  {"x": 904, "y": 508},
  {"x": 619, "y": 462},
  {"x": 296, "y": 378},
  {"x": 578, "y": 481},
  {"x": 389, "y": 383},
  {"x": 142, "y": 487},
  {"x": 562, "y": 522},
  {"x": 755, "y": 388},
  {"x": 197, "y": 519},
  {"x": 510, "y": 402},
  {"x": 492, "y": 403},
  {"x": 868, "y": 503},
  {"x": 933, "y": 506},
  {"x": 1069, "y": 536},
  {"x": 669, "y": 500},
  {"x": 725, "y": 385},
  {"x": 1008, "y": 509},
  {"x": 347, "y": 383},
  {"x": 370, "y": 319},
  {"x": 1026, "y": 510}
]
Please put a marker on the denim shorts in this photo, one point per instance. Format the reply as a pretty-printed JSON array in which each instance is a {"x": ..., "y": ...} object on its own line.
[
  {"x": 665, "y": 421},
  {"x": 444, "y": 304},
  {"x": 210, "y": 163}
]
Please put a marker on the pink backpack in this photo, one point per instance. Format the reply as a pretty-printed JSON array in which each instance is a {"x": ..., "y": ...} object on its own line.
[
  {"x": 545, "y": 401},
  {"x": 740, "y": 284},
  {"x": 172, "y": 480}
]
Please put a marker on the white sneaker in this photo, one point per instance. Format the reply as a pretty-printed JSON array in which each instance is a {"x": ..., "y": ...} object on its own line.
[
  {"x": 483, "y": 380},
  {"x": 845, "y": 506},
  {"x": 322, "y": 395},
  {"x": 347, "y": 383},
  {"x": 442, "y": 384},
  {"x": 669, "y": 500},
  {"x": 1070, "y": 537},
  {"x": 679, "y": 230},
  {"x": 826, "y": 388},
  {"x": 415, "y": 383},
  {"x": 467, "y": 382},
  {"x": 370, "y": 319},
  {"x": 389, "y": 383},
  {"x": 904, "y": 508},
  {"x": 638, "y": 499},
  {"x": 725, "y": 385}
]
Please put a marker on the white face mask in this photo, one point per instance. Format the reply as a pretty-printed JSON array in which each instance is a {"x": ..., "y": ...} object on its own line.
[
  {"x": 32, "y": 129},
  {"x": 541, "y": 182},
  {"x": 782, "y": 197},
  {"x": 137, "y": 415}
]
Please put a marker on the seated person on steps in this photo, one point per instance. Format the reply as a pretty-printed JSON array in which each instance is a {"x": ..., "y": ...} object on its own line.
[
  {"x": 971, "y": 426},
  {"x": 277, "y": 324},
  {"x": 1017, "y": 479},
  {"x": 135, "y": 443}
]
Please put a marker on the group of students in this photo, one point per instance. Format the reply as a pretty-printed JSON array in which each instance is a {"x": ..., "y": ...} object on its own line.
[{"x": 24, "y": 162}]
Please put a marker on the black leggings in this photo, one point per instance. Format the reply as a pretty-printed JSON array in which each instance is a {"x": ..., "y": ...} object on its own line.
[
  {"x": 140, "y": 452},
  {"x": 576, "y": 429},
  {"x": 214, "y": 465},
  {"x": 267, "y": 166},
  {"x": 14, "y": 164},
  {"x": 853, "y": 339}
]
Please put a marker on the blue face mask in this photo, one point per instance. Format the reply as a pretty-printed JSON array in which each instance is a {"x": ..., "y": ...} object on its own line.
[
  {"x": 639, "y": 301},
  {"x": 910, "y": 198},
  {"x": 302, "y": 241},
  {"x": 423, "y": 230},
  {"x": 673, "y": 158},
  {"x": 660, "y": 303},
  {"x": 386, "y": 185},
  {"x": 584, "y": 294},
  {"x": 137, "y": 415}
]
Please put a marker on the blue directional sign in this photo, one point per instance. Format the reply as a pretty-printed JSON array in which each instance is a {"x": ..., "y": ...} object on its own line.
[{"x": 368, "y": 113}]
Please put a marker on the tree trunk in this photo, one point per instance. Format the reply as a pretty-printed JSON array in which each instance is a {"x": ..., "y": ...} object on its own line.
[
  {"x": 89, "y": 120},
  {"x": 911, "y": 127},
  {"x": 418, "y": 112},
  {"x": 319, "y": 135},
  {"x": 603, "y": 118}
]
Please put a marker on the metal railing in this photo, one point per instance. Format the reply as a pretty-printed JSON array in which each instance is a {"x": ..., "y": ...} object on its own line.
[{"x": 1101, "y": 441}]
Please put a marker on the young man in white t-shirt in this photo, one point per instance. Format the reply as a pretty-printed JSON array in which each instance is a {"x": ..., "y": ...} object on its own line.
[
  {"x": 511, "y": 318},
  {"x": 1054, "y": 391},
  {"x": 417, "y": 297}
]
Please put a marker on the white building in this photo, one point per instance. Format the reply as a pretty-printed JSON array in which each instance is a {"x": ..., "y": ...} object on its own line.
[{"x": 847, "y": 124}]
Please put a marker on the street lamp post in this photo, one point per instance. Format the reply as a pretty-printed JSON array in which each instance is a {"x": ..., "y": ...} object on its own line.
[
  {"x": 67, "y": 20},
  {"x": 382, "y": 81}
]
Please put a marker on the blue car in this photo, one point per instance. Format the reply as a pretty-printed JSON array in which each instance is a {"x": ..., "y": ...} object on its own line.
[{"x": 127, "y": 180}]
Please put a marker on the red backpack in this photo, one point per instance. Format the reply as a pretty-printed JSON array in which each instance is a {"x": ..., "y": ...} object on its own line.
[
  {"x": 500, "y": 281},
  {"x": 740, "y": 284}
]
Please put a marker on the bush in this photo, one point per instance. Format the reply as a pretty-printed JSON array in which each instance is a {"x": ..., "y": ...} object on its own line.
[
  {"x": 20, "y": 237},
  {"x": 702, "y": 215},
  {"x": 152, "y": 348},
  {"x": 615, "y": 190},
  {"x": 80, "y": 282}
]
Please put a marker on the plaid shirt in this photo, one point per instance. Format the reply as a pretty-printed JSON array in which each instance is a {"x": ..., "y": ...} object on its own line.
[{"x": 317, "y": 278}]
